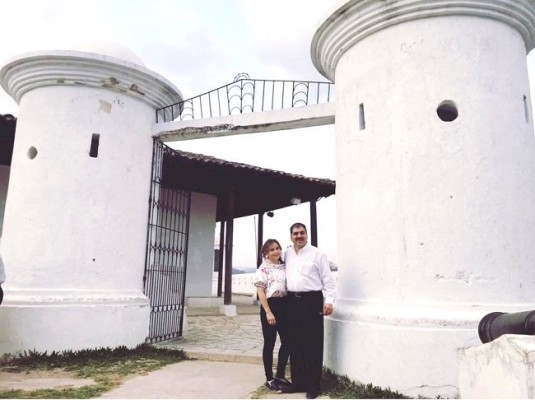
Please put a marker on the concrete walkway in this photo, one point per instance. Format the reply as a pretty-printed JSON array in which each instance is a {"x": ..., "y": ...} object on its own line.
[
  {"x": 227, "y": 353},
  {"x": 193, "y": 380}
]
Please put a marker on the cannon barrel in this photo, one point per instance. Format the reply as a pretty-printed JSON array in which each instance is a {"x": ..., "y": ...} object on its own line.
[{"x": 495, "y": 324}]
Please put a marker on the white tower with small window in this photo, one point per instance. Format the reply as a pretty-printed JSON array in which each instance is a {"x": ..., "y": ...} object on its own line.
[
  {"x": 435, "y": 182},
  {"x": 75, "y": 226}
]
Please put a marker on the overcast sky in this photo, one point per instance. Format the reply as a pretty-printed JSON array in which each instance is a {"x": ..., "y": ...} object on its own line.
[{"x": 200, "y": 45}]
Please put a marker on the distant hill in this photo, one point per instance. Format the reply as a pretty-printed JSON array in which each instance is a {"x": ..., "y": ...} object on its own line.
[{"x": 243, "y": 270}]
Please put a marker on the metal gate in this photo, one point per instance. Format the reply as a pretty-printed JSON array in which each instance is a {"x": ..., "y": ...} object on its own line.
[{"x": 167, "y": 250}]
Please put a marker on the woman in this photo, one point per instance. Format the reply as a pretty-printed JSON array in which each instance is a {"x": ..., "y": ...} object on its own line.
[{"x": 270, "y": 284}]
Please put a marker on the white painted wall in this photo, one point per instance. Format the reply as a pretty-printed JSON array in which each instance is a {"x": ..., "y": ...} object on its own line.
[
  {"x": 435, "y": 219},
  {"x": 201, "y": 245}
]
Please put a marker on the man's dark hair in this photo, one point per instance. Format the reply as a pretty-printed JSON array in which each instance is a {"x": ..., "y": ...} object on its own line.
[{"x": 298, "y": 225}]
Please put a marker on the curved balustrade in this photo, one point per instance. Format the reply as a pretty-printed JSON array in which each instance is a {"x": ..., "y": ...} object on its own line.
[{"x": 245, "y": 95}]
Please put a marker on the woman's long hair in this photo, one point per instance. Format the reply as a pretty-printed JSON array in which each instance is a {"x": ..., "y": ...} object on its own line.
[{"x": 267, "y": 245}]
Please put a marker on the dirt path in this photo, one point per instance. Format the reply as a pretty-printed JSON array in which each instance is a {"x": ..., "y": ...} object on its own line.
[{"x": 34, "y": 380}]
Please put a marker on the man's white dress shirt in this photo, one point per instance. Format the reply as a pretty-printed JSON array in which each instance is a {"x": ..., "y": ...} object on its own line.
[{"x": 308, "y": 270}]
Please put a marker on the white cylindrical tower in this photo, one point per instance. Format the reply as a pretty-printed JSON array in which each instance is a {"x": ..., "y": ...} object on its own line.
[
  {"x": 75, "y": 225},
  {"x": 435, "y": 182}
]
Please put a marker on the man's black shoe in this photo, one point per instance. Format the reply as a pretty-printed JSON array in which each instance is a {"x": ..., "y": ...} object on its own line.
[
  {"x": 281, "y": 382},
  {"x": 312, "y": 394},
  {"x": 272, "y": 385},
  {"x": 289, "y": 389},
  {"x": 292, "y": 389}
]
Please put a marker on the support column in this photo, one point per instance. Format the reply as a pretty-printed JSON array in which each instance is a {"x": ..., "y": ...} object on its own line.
[
  {"x": 313, "y": 224},
  {"x": 227, "y": 308},
  {"x": 435, "y": 182},
  {"x": 260, "y": 235},
  {"x": 220, "y": 259},
  {"x": 75, "y": 225}
]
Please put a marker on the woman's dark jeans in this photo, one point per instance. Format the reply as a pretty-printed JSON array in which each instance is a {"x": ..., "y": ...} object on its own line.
[{"x": 279, "y": 307}]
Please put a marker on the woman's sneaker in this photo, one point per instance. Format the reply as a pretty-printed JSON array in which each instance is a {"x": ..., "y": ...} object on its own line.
[
  {"x": 272, "y": 385},
  {"x": 282, "y": 382}
]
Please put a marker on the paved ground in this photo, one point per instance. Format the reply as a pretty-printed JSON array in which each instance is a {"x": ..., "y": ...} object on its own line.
[
  {"x": 35, "y": 380},
  {"x": 227, "y": 365},
  {"x": 227, "y": 353},
  {"x": 193, "y": 380},
  {"x": 221, "y": 338}
]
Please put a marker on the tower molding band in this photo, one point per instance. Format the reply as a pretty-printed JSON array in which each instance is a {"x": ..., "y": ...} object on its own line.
[
  {"x": 358, "y": 19},
  {"x": 82, "y": 69}
]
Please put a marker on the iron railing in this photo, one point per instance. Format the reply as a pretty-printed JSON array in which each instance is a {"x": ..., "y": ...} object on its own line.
[{"x": 245, "y": 95}]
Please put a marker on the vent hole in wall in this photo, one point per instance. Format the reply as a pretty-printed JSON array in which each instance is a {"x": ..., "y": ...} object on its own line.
[
  {"x": 526, "y": 108},
  {"x": 32, "y": 153},
  {"x": 362, "y": 120},
  {"x": 447, "y": 111},
  {"x": 93, "y": 150}
]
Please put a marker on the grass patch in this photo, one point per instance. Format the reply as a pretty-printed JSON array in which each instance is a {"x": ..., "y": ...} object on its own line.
[
  {"x": 341, "y": 387},
  {"x": 260, "y": 392},
  {"x": 107, "y": 367}
]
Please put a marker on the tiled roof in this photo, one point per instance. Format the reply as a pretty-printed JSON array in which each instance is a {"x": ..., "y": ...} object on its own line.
[
  {"x": 236, "y": 165},
  {"x": 255, "y": 190}
]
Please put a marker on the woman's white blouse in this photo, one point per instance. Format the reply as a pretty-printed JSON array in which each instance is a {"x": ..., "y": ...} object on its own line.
[{"x": 271, "y": 277}]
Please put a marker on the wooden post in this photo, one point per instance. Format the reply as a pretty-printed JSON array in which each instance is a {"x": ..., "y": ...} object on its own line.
[
  {"x": 313, "y": 224},
  {"x": 228, "y": 248},
  {"x": 260, "y": 236},
  {"x": 220, "y": 260}
]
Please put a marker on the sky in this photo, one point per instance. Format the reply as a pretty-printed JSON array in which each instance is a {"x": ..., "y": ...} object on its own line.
[{"x": 200, "y": 45}]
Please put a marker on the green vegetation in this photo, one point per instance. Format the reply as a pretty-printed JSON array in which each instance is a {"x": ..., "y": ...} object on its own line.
[
  {"x": 341, "y": 387},
  {"x": 260, "y": 392},
  {"x": 107, "y": 367}
]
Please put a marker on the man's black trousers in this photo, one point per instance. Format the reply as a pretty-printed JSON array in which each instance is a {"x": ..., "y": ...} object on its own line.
[{"x": 306, "y": 339}]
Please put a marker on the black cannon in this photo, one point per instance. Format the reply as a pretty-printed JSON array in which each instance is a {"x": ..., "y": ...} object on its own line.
[{"x": 495, "y": 324}]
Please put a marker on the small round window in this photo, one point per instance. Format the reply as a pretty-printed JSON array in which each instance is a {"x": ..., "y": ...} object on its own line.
[{"x": 447, "y": 111}]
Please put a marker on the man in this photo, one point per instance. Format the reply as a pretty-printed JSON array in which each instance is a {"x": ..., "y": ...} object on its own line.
[{"x": 307, "y": 275}]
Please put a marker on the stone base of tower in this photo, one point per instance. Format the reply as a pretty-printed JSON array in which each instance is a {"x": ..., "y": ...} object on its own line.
[
  {"x": 44, "y": 320},
  {"x": 410, "y": 348}
]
